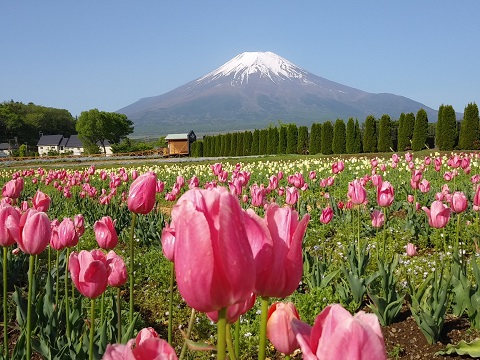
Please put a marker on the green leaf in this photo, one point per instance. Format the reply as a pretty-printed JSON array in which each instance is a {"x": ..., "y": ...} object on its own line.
[{"x": 462, "y": 348}]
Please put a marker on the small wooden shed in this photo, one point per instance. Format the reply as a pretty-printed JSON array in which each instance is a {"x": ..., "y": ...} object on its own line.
[{"x": 179, "y": 144}]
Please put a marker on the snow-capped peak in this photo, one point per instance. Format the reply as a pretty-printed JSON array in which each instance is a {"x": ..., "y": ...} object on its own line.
[{"x": 267, "y": 64}]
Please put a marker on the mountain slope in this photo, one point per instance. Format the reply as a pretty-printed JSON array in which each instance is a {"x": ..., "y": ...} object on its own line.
[{"x": 254, "y": 89}]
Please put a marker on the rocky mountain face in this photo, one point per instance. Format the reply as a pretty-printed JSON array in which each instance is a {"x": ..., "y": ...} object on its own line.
[{"x": 255, "y": 89}]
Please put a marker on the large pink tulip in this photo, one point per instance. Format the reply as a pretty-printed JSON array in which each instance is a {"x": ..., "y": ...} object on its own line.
[
  {"x": 210, "y": 236},
  {"x": 438, "y": 214},
  {"x": 116, "y": 270},
  {"x": 13, "y": 188},
  {"x": 9, "y": 225},
  {"x": 105, "y": 233},
  {"x": 88, "y": 270},
  {"x": 385, "y": 194},
  {"x": 326, "y": 216},
  {"x": 458, "y": 202},
  {"x": 337, "y": 334},
  {"x": 141, "y": 197},
  {"x": 356, "y": 192},
  {"x": 276, "y": 242},
  {"x": 35, "y": 232},
  {"x": 41, "y": 201},
  {"x": 279, "y": 327}
]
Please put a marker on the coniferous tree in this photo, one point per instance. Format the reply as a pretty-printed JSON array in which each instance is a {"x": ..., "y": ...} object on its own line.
[
  {"x": 222, "y": 144},
  {"x": 449, "y": 134},
  {"x": 262, "y": 142},
  {"x": 469, "y": 129},
  {"x": 409, "y": 126},
  {"x": 292, "y": 138},
  {"x": 339, "y": 137},
  {"x": 218, "y": 144},
  {"x": 327, "y": 137},
  {"x": 385, "y": 141},
  {"x": 439, "y": 127},
  {"x": 233, "y": 144},
  {"x": 247, "y": 143},
  {"x": 369, "y": 135},
  {"x": 302, "y": 145},
  {"x": 239, "y": 150},
  {"x": 350, "y": 136},
  {"x": 402, "y": 140},
  {"x": 315, "y": 139},
  {"x": 228, "y": 144},
  {"x": 420, "y": 131},
  {"x": 282, "y": 140},
  {"x": 255, "y": 142},
  {"x": 358, "y": 143},
  {"x": 272, "y": 142},
  {"x": 206, "y": 145}
]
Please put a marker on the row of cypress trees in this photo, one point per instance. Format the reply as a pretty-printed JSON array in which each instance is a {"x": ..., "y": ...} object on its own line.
[{"x": 409, "y": 132}]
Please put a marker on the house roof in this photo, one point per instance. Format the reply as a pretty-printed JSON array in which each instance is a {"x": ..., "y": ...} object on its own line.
[
  {"x": 176, "y": 137},
  {"x": 50, "y": 140},
  {"x": 74, "y": 142},
  {"x": 4, "y": 146}
]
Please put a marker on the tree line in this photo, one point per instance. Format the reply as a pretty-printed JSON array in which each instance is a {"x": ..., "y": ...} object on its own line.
[{"x": 410, "y": 132}]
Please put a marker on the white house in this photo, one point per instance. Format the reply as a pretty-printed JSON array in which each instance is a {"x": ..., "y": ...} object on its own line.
[
  {"x": 65, "y": 145},
  {"x": 49, "y": 143}
]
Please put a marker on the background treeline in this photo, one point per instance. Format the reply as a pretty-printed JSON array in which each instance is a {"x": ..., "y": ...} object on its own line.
[
  {"x": 24, "y": 123},
  {"x": 410, "y": 132}
]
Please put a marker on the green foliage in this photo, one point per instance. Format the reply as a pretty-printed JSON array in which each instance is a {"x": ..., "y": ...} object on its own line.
[
  {"x": 370, "y": 135},
  {"x": 262, "y": 142},
  {"x": 247, "y": 142},
  {"x": 315, "y": 139},
  {"x": 95, "y": 126},
  {"x": 439, "y": 127},
  {"x": 302, "y": 146},
  {"x": 327, "y": 138},
  {"x": 126, "y": 146},
  {"x": 385, "y": 140},
  {"x": 350, "y": 136},
  {"x": 339, "y": 137},
  {"x": 358, "y": 142},
  {"x": 420, "y": 131},
  {"x": 272, "y": 142},
  {"x": 292, "y": 139},
  {"x": 471, "y": 349},
  {"x": 282, "y": 140},
  {"x": 469, "y": 130},
  {"x": 447, "y": 135},
  {"x": 406, "y": 124},
  {"x": 255, "y": 142}
]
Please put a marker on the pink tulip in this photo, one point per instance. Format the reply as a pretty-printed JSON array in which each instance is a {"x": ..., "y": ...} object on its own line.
[
  {"x": 168, "y": 241},
  {"x": 273, "y": 182},
  {"x": 116, "y": 270},
  {"x": 141, "y": 197},
  {"x": 395, "y": 158},
  {"x": 458, "y": 202},
  {"x": 312, "y": 175},
  {"x": 448, "y": 176},
  {"x": 356, "y": 192},
  {"x": 408, "y": 157},
  {"x": 411, "y": 249},
  {"x": 279, "y": 327},
  {"x": 326, "y": 216},
  {"x": 410, "y": 198},
  {"x": 338, "y": 167},
  {"x": 236, "y": 310},
  {"x": 376, "y": 180},
  {"x": 88, "y": 270},
  {"x": 79, "y": 222},
  {"x": 276, "y": 243},
  {"x": 41, "y": 201},
  {"x": 337, "y": 334},
  {"x": 438, "y": 214},
  {"x": 291, "y": 195},
  {"x": 257, "y": 194},
  {"x": 147, "y": 345},
  {"x": 67, "y": 236},
  {"x": 476, "y": 197},
  {"x": 216, "y": 168},
  {"x": 159, "y": 186},
  {"x": 193, "y": 182},
  {"x": 9, "y": 225},
  {"x": 385, "y": 194},
  {"x": 424, "y": 186},
  {"x": 13, "y": 188},
  {"x": 35, "y": 232},
  {"x": 105, "y": 233},
  {"x": 378, "y": 219},
  {"x": 210, "y": 236}
]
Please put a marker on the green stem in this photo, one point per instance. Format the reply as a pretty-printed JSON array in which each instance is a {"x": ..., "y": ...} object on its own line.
[
  {"x": 287, "y": 357},
  {"x": 132, "y": 266},
  {"x": 170, "y": 305},
  {"x": 222, "y": 334},
  {"x": 67, "y": 307},
  {"x": 237, "y": 338},
  {"x": 263, "y": 329},
  {"x": 29, "y": 307},
  {"x": 92, "y": 327},
  {"x": 231, "y": 351},
  {"x": 358, "y": 230},
  {"x": 102, "y": 309},
  {"x": 57, "y": 288},
  {"x": 119, "y": 315},
  {"x": 384, "y": 231},
  {"x": 189, "y": 331},
  {"x": 5, "y": 305}
]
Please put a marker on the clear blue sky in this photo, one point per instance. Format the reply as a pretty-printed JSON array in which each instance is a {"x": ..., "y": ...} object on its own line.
[{"x": 80, "y": 55}]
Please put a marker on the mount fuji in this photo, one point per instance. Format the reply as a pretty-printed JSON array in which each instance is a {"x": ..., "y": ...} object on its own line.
[{"x": 255, "y": 89}]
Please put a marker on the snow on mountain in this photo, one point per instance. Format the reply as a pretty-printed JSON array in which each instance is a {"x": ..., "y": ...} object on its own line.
[{"x": 266, "y": 64}]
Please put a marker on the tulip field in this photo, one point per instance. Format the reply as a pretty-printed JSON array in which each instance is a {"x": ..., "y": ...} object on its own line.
[{"x": 248, "y": 258}]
